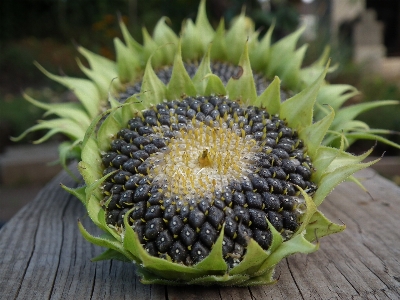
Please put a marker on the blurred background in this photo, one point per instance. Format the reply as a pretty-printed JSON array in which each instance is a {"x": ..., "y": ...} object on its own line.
[{"x": 364, "y": 36}]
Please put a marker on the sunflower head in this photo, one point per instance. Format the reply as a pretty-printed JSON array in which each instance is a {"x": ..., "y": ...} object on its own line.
[
  {"x": 199, "y": 165},
  {"x": 201, "y": 182}
]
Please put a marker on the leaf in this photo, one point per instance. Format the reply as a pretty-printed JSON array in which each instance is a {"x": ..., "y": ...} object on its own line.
[
  {"x": 282, "y": 51},
  {"x": 259, "y": 57},
  {"x": 107, "y": 132},
  {"x": 102, "y": 242}
]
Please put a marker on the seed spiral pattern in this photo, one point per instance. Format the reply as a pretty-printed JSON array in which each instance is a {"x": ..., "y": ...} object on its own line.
[{"x": 184, "y": 170}]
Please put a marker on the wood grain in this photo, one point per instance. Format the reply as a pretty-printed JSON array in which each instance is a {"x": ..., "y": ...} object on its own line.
[{"x": 43, "y": 256}]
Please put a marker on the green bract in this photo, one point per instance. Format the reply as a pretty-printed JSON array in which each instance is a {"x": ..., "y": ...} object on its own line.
[
  {"x": 332, "y": 166},
  {"x": 265, "y": 58}
]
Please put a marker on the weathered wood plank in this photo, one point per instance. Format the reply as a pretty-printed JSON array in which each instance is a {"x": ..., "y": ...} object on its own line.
[{"x": 43, "y": 256}]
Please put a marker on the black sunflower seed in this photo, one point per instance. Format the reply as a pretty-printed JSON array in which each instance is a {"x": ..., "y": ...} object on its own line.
[
  {"x": 239, "y": 199},
  {"x": 227, "y": 246},
  {"x": 113, "y": 201},
  {"x": 131, "y": 165},
  {"x": 289, "y": 220},
  {"x": 275, "y": 186},
  {"x": 271, "y": 202},
  {"x": 199, "y": 252},
  {"x": 164, "y": 241},
  {"x": 153, "y": 228},
  {"x": 119, "y": 160},
  {"x": 297, "y": 180},
  {"x": 126, "y": 198},
  {"x": 304, "y": 172},
  {"x": 254, "y": 200},
  {"x": 188, "y": 236},
  {"x": 258, "y": 218},
  {"x": 215, "y": 216},
  {"x": 208, "y": 234},
  {"x": 169, "y": 211},
  {"x": 196, "y": 218},
  {"x": 241, "y": 214},
  {"x": 178, "y": 252},
  {"x": 287, "y": 202},
  {"x": 260, "y": 184},
  {"x": 151, "y": 248},
  {"x": 276, "y": 220},
  {"x": 117, "y": 144},
  {"x": 175, "y": 225},
  {"x": 152, "y": 212},
  {"x": 139, "y": 210},
  {"x": 244, "y": 234},
  {"x": 263, "y": 238}
]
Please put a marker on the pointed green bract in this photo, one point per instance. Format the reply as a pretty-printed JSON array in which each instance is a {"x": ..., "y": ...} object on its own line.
[
  {"x": 164, "y": 35},
  {"x": 271, "y": 97},
  {"x": 319, "y": 226},
  {"x": 239, "y": 34},
  {"x": 152, "y": 88},
  {"x": 180, "y": 83},
  {"x": 214, "y": 86},
  {"x": 255, "y": 256},
  {"x": 260, "y": 56},
  {"x": 219, "y": 47},
  {"x": 298, "y": 110},
  {"x": 214, "y": 262},
  {"x": 241, "y": 86},
  {"x": 281, "y": 51},
  {"x": 315, "y": 133},
  {"x": 84, "y": 89},
  {"x": 199, "y": 80},
  {"x": 332, "y": 179},
  {"x": 127, "y": 63}
]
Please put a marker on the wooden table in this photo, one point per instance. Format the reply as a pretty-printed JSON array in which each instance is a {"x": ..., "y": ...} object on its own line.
[{"x": 43, "y": 255}]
